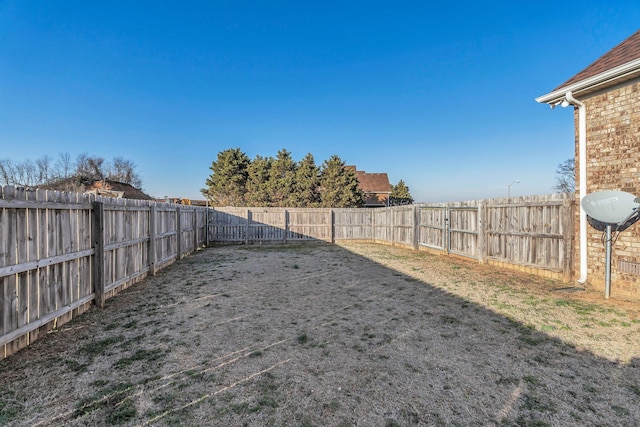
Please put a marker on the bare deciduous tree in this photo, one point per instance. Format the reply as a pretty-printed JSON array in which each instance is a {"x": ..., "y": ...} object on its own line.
[
  {"x": 566, "y": 177},
  {"x": 123, "y": 170},
  {"x": 24, "y": 174},
  {"x": 65, "y": 175},
  {"x": 6, "y": 172},
  {"x": 44, "y": 169},
  {"x": 63, "y": 166},
  {"x": 89, "y": 167}
]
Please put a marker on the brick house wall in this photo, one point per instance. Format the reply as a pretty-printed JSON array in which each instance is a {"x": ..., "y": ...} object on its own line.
[
  {"x": 613, "y": 163},
  {"x": 608, "y": 93}
]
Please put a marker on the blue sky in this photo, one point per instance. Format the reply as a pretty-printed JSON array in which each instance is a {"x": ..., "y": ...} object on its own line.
[{"x": 438, "y": 94}]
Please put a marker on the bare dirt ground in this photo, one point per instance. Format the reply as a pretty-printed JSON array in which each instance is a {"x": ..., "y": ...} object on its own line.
[{"x": 326, "y": 335}]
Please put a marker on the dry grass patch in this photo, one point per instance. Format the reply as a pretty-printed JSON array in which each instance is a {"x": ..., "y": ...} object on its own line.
[{"x": 316, "y": 335}]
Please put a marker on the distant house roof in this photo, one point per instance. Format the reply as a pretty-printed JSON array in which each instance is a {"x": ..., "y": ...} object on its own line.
[
  {"x": 616, "y": 66},
  {"x": 115, "y": 189},
  {"x": 373, "y": 182},
  {"x": 105, "y": 188},
  {"x": 375, "y": 186}
]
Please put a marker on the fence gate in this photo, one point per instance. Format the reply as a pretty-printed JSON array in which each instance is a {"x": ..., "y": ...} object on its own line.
[
  {"x": 463, "y": 234},
  {"x": 432, "y": 227},
  {"x": 453, "y": 229}
]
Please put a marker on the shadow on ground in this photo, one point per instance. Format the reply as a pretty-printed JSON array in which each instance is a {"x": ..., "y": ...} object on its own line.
[{"x": 318, "y": 335}]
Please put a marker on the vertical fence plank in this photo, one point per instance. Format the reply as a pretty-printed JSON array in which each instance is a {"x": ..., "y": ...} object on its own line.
[
  {"x": 23, "y": 278},
  {"x": 98, "y": 256},
  {"x": 194, "y": 226},
  {"x": 55, "y": 270},
  {"x": 85, "y": 243},
  {"x": 72, "y": 246},
  {"x": 416, "y": 228},
  {"x": 45, "y": 301},
  {"x": 332, "y": 228},
  {"x": 64, "y": 234},
  {"x": 128, "y": 252},
  {"x": 5, "y": 292},
  {"x": 152, "y": 240},
  {"x": 179, "y": 233},
  {"x": 206, "y": 226},
  {"x": 248, "y": 227},
  {"x": 33, "y": 283},
  {"x": 481, "y": 245},
  {"x": 285, "y": 226},
  {"x": 119, "y": 254},
  {"x": 10, "y": 295}
]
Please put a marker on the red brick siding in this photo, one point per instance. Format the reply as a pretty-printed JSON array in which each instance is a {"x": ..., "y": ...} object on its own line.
[{"x": 613, "y": 162}]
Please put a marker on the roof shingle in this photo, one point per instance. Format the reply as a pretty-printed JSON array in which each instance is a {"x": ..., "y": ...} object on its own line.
[
  {"x": 625, "y": 52},
  {"x": 373, "y": 182}
]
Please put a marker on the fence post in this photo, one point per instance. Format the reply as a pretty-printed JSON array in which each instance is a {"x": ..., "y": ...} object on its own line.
[
  {"x": 179, "y": 232},
  {"x": 332, "y": 226},
  {"x": 445, "y": 230},
  {"x": 247, "y": 228},
  {"x": 152, "y": 239},
  {"x": 194, "y": 226},
  {"x": 394, "y": 225},
  {"x": 206, "y": 226},
  {"x": 416, "y": 227},
  {"x": 373, "y": 224},
  {"x": 98, "y": 254},
  {"x": 286, "y": 226},
  {"x": 482, "y": 249}
]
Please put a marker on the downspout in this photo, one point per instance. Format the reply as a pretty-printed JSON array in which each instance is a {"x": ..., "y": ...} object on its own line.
[{"x": 582, "y": 162}]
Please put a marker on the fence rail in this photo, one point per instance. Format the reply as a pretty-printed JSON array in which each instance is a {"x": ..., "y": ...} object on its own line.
[{"x": 62, "y": 252}]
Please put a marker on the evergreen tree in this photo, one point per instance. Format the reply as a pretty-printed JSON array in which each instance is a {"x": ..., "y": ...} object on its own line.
[
  {"x": 226, "y": 186},
  {"x": 400, "y": 195},
  {"x": 307, "y": 183},
  {"x": 339, "y": 185},
  {"x": 282, "y": 176},
  {"x": 258, "y": 182}
]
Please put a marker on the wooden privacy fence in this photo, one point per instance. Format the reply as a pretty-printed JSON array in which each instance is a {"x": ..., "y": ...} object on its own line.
[
  {"x": 533, "y": 233},
  {"x": 59, "y": 252}
]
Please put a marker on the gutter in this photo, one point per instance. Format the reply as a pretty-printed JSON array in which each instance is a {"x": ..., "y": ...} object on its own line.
[
  {"x": 615, "y": 75},
  {"x": 582, "y": 158}
]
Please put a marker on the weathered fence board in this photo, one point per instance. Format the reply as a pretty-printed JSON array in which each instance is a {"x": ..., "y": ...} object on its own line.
[
  {"x": 403, "y": 225},
  {"x": 229, "y": 224},
  {"x": 532, "y": 232},
  {"x": 43, "y": 260},
  {"x": 431, "y": 227},
  {"x": 353, "y": 224},
  {"x": 266, "y": 225},
  {"x": 61, "y": 251},
  {"x": 309, "y": 224},
  {"x": 463, "y": 230}
]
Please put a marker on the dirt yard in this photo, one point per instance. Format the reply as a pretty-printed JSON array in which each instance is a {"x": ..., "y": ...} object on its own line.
[{"x": 326, "y": 335}]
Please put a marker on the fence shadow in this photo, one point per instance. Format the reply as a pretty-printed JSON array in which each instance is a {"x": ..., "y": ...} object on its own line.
[{"x": 378, "y": 331}]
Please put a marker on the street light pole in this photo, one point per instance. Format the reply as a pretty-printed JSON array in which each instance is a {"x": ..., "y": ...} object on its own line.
[{"x": 517, "y": 181}]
